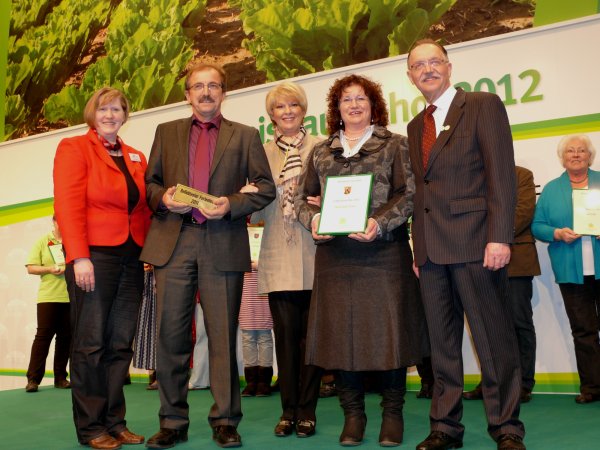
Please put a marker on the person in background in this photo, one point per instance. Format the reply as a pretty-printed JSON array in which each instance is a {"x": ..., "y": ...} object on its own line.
[
  {"x": 287, "y": 261},
  {"x": 200, "y": 366},
  {"x": 523, "y": 266},
  {"x": 144, "y": 351},
  {"x": 365, "y": 313},
  {"x": 462, "y": 158},
  {"x": 52, "y": 311},
  {"x": 204, "y": 250},
  {"x": 100, "y": 204},
  {"x": 256, "y": 324},
  {"x": 575, "y": 258}
]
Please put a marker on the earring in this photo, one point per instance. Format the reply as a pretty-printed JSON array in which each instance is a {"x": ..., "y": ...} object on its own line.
[{"x": 341, "y": 123}]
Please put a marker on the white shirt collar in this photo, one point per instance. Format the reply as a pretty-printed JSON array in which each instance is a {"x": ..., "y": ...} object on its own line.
[{"x": 443, "y": 106}]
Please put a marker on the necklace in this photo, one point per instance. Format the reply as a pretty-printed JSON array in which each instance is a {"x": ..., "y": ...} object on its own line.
[
  {"x": 578, "y": 181},
  {"x": 364, "y": 130}
]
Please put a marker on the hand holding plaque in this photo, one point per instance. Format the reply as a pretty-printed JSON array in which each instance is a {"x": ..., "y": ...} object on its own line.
[{"x": 194, "y": 198}]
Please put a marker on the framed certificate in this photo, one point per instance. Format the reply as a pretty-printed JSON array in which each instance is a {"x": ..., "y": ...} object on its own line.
[
  {"x": 193, "y": 197},
  {"x": 586, "y": 211},
  {"x": 56, "y": 250},
  {"x": 255, "y": 238},
  {"x": 345, "y": 204}
]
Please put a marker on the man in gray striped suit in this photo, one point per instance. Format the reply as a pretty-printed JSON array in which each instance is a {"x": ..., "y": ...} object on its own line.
[{"x": 462, "y": 158}]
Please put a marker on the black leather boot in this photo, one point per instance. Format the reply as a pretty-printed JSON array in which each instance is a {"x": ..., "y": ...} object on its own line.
[
  {"x": 352, "y": 400},
  {"x": 251, "y": 375},
  {"x": 265, "y": 377},
  {"x": 393, "y": 389}
]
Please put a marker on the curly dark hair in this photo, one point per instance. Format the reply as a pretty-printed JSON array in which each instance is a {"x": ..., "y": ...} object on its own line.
[{"x": 379, "y": 113}]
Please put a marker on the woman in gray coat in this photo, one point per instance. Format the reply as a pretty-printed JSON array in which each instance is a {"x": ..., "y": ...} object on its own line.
[{"x": 365, "y": 314}]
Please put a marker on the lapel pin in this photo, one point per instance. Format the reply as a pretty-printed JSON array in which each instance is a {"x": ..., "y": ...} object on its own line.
[{"x": 445, "y": 127}]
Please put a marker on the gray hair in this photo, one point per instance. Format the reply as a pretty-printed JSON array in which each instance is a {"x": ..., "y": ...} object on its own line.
[{"x": 565, "y": 141}]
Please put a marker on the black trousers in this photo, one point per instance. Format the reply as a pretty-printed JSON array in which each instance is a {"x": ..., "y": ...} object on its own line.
[
  {"x": 52, "y": 320},
  {"x": 521, "y": 291},
  {"x": 449, "y": 293},
  {"x": 582, "y": 303},
  {"x": 103, "y": 326},
  {"x": 298, "y": 383}
]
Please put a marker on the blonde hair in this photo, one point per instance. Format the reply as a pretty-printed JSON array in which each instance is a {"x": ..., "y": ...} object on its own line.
[
  {"x": 100, "y": 98},
  {"x": 565, "y": 141},
  {"x": 287, "y": 89}
]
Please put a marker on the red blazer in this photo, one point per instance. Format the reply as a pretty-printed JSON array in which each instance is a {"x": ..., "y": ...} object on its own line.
[{"x": 90, "y": 196}]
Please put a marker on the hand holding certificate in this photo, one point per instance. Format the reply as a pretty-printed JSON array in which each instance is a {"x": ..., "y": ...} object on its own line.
[{"x": 345, "y": 204}]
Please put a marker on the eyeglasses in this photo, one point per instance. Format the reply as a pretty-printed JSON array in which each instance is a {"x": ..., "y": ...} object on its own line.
[
  {"x": 358, "y": 99},
  {"x": 576, "y": 151},
  {"x": 434, "y": 63},
  {"x": 212, "y": 87}
]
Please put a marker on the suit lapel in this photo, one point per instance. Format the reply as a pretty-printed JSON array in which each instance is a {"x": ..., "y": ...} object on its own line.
[
  {"x": 455, "y": 112},
  {"x": 225, "y": 133},
  {"x": 417, "y": 154},
  {"x": 182, "y": 137}
]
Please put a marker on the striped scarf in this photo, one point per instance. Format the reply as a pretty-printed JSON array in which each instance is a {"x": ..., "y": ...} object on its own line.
[{"x": 287, "y": 181}]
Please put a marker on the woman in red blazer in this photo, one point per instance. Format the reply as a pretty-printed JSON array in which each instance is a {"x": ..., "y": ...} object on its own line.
[{"x": 100, "y": 205}]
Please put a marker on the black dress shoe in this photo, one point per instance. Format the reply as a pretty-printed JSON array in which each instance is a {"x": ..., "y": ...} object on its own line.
[
  {"x": 510, "y": 442},
  {"x": 438, "y": 440},
  {"x": 32, "y": 386},
  {"x": 167, "y": 438},
  {"x": 581, "y": 398},
  {"x": 305, "y": 428},
  {"x": 426, "y": 391},
  {"x": 475, "y": 394},
  {"x": 285, "y": 427},
  {"x": 226, "y": 436}
]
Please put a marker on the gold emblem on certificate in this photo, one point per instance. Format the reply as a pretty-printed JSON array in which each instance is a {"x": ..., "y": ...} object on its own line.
[
  {"x": 345, "y": 204},
  {"x": 255, "y": 237},
  {"x": 193, "y": 197},
  {"x": 586, "y": 211}
]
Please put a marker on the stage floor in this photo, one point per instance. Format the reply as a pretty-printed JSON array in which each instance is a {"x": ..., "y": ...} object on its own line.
[{"x": 42, "y": 420}]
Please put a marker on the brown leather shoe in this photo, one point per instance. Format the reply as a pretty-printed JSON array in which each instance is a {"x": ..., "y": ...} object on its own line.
[
  {"x": 128, "y": 438},
  {"x": 32, "y": 386},
  {"x": 105, "y": 442},
  {"x": 510, "y": 442},
  {"x": 475, "y": 394},
  {"x": 587, "y": 398},
  {"x": 438, "y": 440},
  {"x": 62, "y": 384}
]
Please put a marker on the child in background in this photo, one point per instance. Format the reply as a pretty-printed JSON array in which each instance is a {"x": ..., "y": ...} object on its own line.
[{"x": 256, "y": 324}]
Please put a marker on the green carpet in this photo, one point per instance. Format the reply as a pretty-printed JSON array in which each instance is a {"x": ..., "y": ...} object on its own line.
[{"x": 43, "y": 421}]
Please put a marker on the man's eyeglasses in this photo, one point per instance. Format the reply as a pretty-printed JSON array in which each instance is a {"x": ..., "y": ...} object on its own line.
[
  {"x": 212, "y": 87},
  {"x": 434, "y": 63}
]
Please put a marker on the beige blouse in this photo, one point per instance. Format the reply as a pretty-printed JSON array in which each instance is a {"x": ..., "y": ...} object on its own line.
[{"x": 283, "y": 266}]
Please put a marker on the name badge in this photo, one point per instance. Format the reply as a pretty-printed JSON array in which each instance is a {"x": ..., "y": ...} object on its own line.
[{"x": 135, "y": 157}]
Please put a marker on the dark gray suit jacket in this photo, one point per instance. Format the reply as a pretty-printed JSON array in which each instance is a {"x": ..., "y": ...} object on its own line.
[
  {"x": 466, "y": 197},
  {"x": 239, "y": 158}
]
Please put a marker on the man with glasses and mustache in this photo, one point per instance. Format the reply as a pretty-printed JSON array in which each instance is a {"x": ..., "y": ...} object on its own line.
[
  {"x": 202, "y": 250},
  {"x": 462, "y": 158}
]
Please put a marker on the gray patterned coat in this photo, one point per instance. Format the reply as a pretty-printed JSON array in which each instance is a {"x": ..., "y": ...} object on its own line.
[{"x": 366, "y": 313}]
